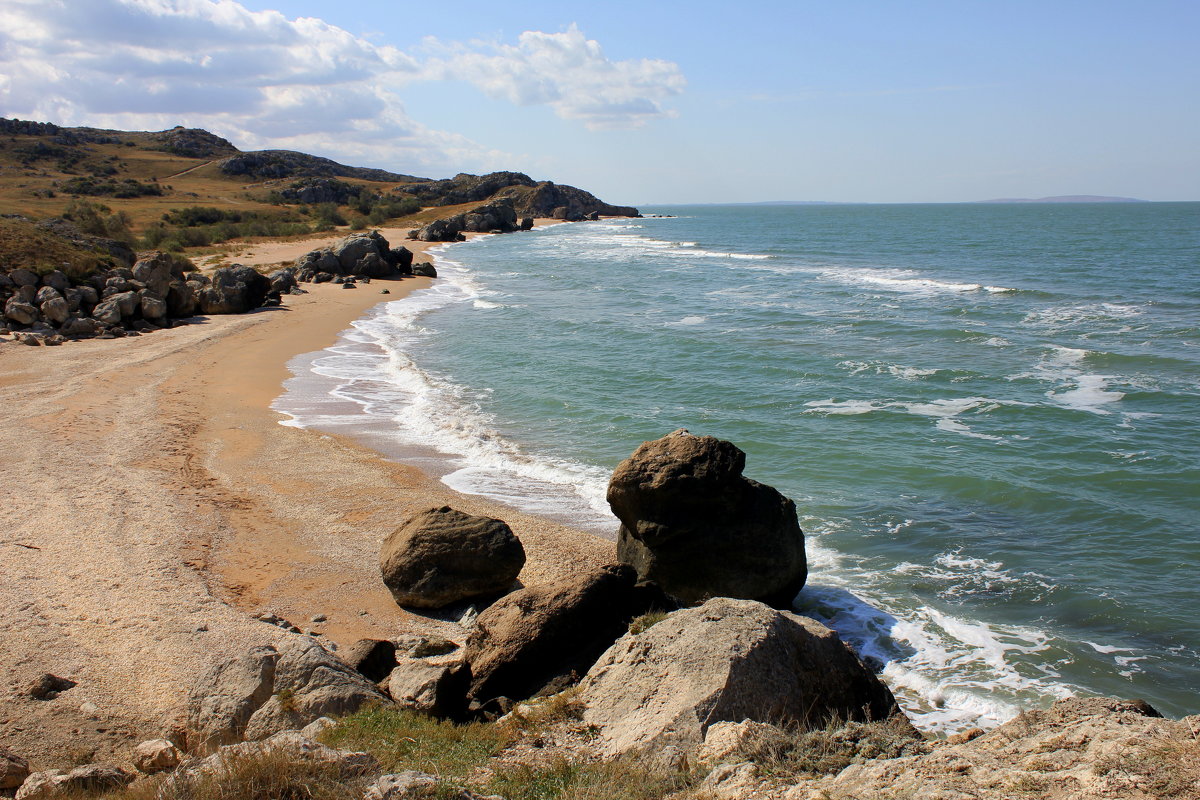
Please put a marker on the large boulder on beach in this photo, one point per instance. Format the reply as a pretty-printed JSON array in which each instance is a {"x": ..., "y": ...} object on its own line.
[
  {"x": 352, "y": 249},
  {"x": 693, "y": 524},
  {"x": 234, "y": 290},
  {"x": 268, "y": 689},
  {"x": 545, "y": 637},
  {"x": 727, "y": 660},
  {"x": 442, "y": 556}
]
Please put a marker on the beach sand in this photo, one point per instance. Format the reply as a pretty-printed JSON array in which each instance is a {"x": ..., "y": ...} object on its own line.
[{"x": 154, "y": 504}]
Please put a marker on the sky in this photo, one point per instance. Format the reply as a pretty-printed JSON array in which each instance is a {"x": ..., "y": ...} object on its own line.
[{"x": 651, "y": 103}]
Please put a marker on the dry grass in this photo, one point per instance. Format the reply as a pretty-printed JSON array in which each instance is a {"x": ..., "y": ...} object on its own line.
[
  {"x": 1168, "y": 769},
  {"x": 829, "y": 750},
  {"x": 22, "y": 244},
  {"x": 646, "y": 621},
  {"x": 565, "y": 779}
]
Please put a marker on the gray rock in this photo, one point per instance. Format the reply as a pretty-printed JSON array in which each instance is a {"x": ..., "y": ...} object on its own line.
[
  {"x": 74, "y": 298},
  {"x": 107, "y": 312},
  {"x": 293, "y": 745},
  {"x": 155, "y": 272},
  {"x": 55, "y": 310},
  {"x": 694, "y": 525},
  {"x": 424, "y": 270},
  {"x": 424, "y": 646},
  {"x": 57, "y": 280},
  {"x": 152, "y": 306},
  {"x": 443, "y": 556},
  {"x": 88, "y": 296},
  {"x": 80, "y": 327},
  {"x": 309, "y": 682},
  {"x": 19, "y": 312},
  {"x": 728, "y": 660},
  {"x": 408, "y": 785},
  {"x": 181, "y": 298},
  {"x": 27, "y": 294},
  {"x": 23, "y": 277},
  {"x": 128, "y": 302},
  {"x": 234, "y": 290},
  {"x": 223, "y": 701},
  {"x": 46, "y": 293},
  {"x": 352, "y": 249}
]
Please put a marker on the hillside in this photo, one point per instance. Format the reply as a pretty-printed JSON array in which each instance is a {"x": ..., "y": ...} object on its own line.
[{"x": 189, "y": 190}]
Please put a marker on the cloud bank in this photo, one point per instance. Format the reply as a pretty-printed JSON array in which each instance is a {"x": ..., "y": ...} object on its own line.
[{"x": 264, "y": 80}]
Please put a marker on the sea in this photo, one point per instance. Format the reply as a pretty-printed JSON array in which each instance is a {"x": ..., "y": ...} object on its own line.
[{"x": 988, "y": 416}]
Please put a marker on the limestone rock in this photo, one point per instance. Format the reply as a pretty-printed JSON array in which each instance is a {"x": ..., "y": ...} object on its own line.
[
  {"x": 693, "y": 524},
  {"x": 309, "y": 682},
  {"x": 13, "y": 769},
  {"x": 55, "y": 310},
  {"x": 374, "y": 659},
  {"x": 156, "y": 755},
  {"x": 547, "y": 636},
  {"x": 728, "y": 660},
  {"x": 291, "y": 744},
  {"x": 442, "y": 556},
  {"x": 226, "y": 697},
  {"x": 20, "y": 312},
  {"x": 107, "y": 312},
  {"x": 88, "y": 779},
  {"x": 407, "y": 785},
  {"x": 438, "y": 689},
  {"x": 23, "y": 277}
]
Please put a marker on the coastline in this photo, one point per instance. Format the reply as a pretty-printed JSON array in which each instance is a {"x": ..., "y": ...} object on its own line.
[{"x": 160, "y": 505}]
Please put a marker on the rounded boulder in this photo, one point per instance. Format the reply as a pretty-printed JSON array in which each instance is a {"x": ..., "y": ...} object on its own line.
[{"x": 443, "y": 556}]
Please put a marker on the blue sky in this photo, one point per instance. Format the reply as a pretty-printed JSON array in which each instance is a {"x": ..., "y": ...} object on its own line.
[{"x": 651, "y": 102}]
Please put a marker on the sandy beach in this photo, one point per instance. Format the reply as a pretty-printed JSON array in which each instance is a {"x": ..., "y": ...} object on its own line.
[{"x": 154, "y": 505}]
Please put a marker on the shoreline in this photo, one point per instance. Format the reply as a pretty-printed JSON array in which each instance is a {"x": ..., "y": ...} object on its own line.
[{"x": 160, "y": 505}]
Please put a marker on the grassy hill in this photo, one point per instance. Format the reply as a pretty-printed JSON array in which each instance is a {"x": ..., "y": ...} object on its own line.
[{"x": 182, "y": 188}]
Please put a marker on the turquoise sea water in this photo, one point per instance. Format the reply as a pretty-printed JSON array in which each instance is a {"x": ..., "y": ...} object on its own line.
[{"x": 987, "y": 415}]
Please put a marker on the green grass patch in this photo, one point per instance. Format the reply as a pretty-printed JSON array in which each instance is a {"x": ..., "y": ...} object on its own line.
[
  {"x": 565, "y": 779},
  {"x": 646, "y": 621},
  {"x": 402, "y": 739}
]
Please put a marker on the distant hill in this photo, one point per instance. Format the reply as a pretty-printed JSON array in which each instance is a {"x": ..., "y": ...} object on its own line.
[{"x": 1066, "y": 198}]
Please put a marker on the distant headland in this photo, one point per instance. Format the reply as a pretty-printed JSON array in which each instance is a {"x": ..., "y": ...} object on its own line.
[{"x": 1066, "y": 198}]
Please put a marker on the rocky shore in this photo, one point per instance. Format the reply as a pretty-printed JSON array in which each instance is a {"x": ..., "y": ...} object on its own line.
[{"x": 201, "y": 597}]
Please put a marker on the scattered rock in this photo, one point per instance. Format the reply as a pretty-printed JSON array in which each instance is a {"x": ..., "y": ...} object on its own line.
[
  {"x": 226, "y": 697},
  {"x": 13, "y": 769},
  {"x": 156, "y": 755},
  {"x": 424, "y": 270},
  {"x": 443, "y": 556},
  {"x": 291, "y": 744},
  {"x": 318, "y": 726},
  {"x": 728, "y": 660},
  {"x": 89, "y": 779},
  {"x": 424, "y": 646},
  {"x": 542, "y": 638},
  {"x": 48, "y": 687},
  {"x": 693, "y": 524}
]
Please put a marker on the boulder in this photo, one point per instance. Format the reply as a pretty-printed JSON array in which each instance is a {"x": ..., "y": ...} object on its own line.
[
  {"x": 402, "y": 257},
  {"x": 20, "y": 312},
  {"x": 544, "y": 637},
  {"x": 442, "y": 556},
  {"x": 128, "y": 302},
  {"x": 424, "y": 270},
  {"x": 352, "y": 249},
  {"x": 374, "y": 659},
  {"x": 92, "y": 778},
  {"x": 437, "y": 689},
  {"x": 80, "y": 327},
  {"x": 234, "y": 290},
  {"x": 57, "y": 280},
  {"x": 74, "y": 298},
  {"x": 266, "y": 691},
  {"x": 181, "y": 298},
  {"x": 282, "y": 280},
  {"x": 693, "y": 524},
  {"x": 55, "y": 310},
  {"x": 223, "y": 700},
  {"x": 155, "y": 272},
  {"x": 153, "y": 306},
  {"x": 728, "y": 660},
  {"x": 45, "y": 294},
  {"x": 23, "y": 277},
  {"x": 107, "y": 312},
  {"x": 527, "y": 224},
  {"x": 742, "y": 741},
  {"x": 156, "y": 755},
  {"x": 13, "y": 769},
  {"x": 373, "y": 265}
]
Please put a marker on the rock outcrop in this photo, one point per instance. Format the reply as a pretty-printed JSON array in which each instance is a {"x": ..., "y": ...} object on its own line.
[
  {"x": 528, "y": 197},
  {"x": 90, "y": 779},
  {"x": 364, "y": 255},
  {"x": 693, "y": 524},
  {"x": 291, "y": 164},
  {"x": 495, "y": 217},
  {"x": 267, "y": 690},
  {"x": 544, "y": 637},
  {"x": 442, "y": 556},
  {"x": 13, "y": 769},
  {"x": 727, "y": 660}
]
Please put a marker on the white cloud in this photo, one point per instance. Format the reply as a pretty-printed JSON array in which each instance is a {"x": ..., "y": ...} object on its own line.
[
  {"x": 566, "y": 71},
  {"x": 263, "y": 80}
]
